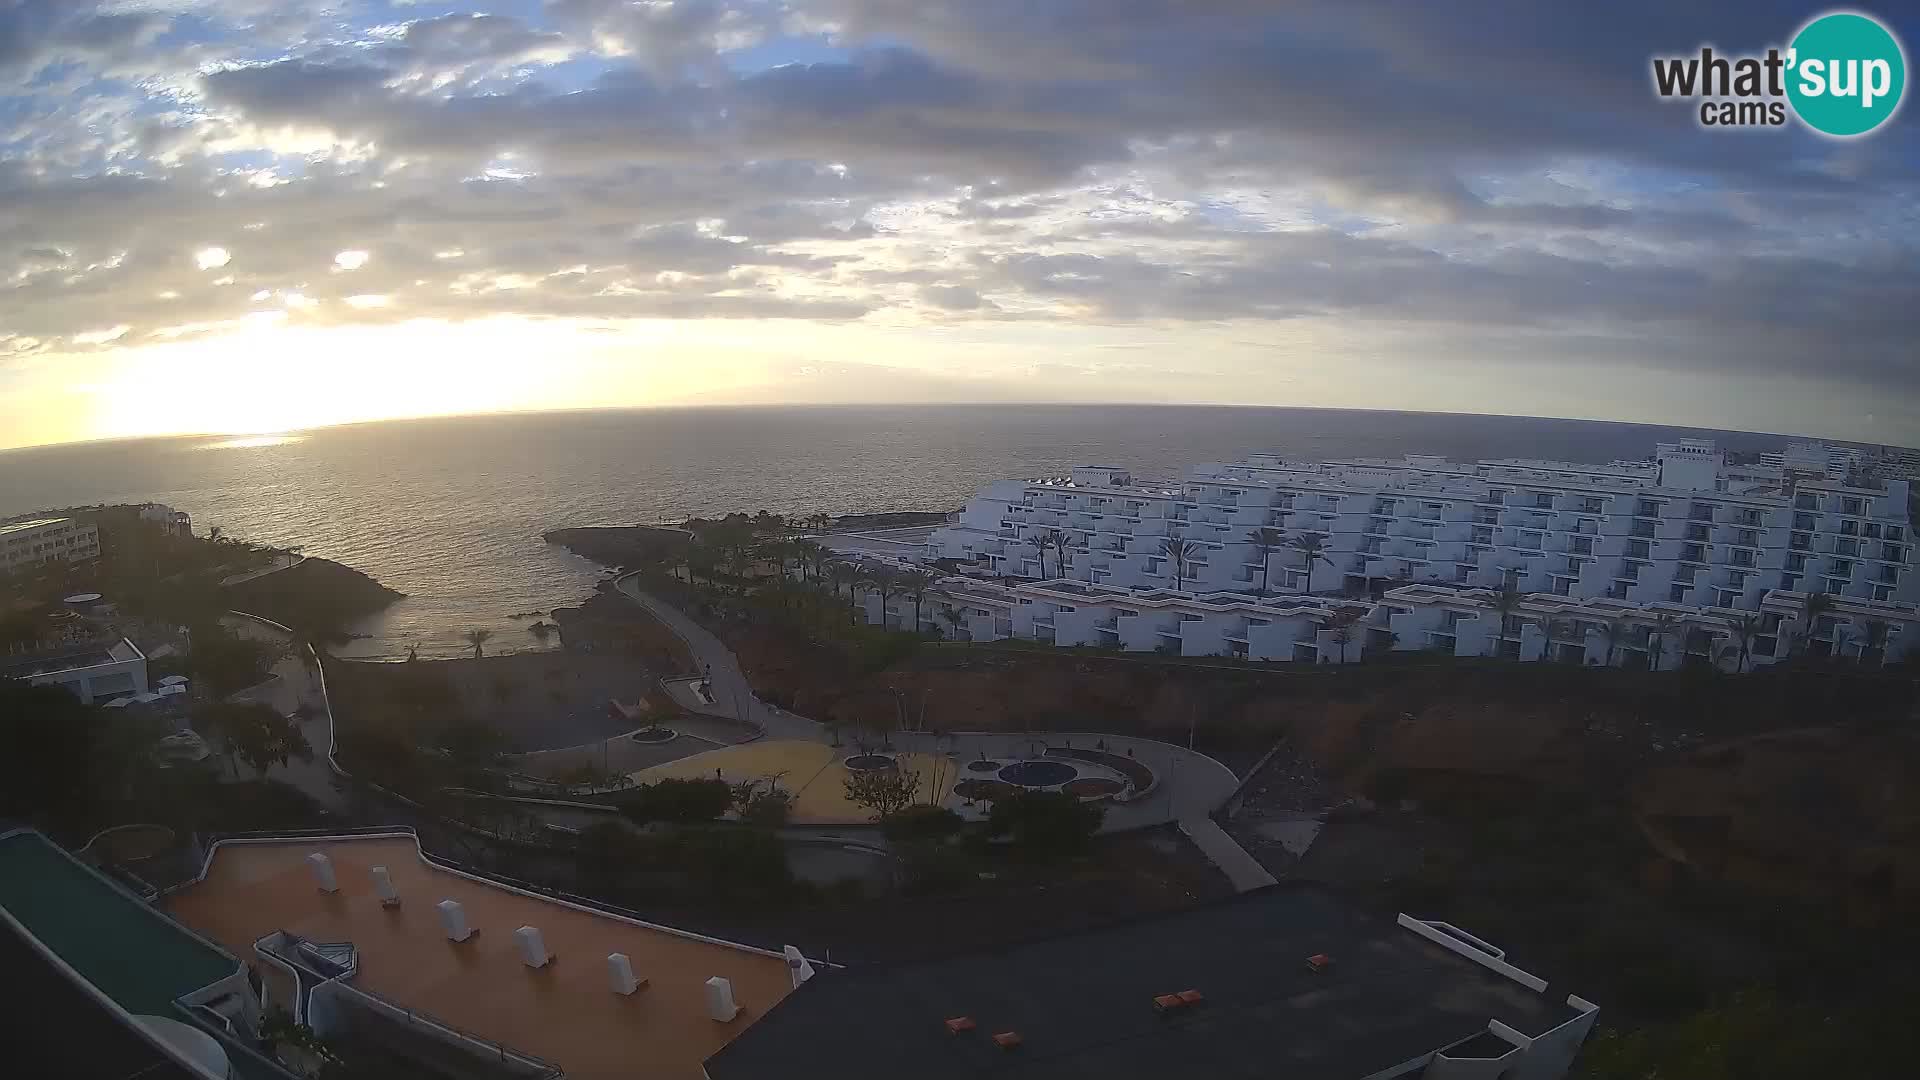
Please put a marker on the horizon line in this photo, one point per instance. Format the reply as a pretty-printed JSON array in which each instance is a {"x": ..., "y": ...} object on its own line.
[{"x": 744, "y": 406}]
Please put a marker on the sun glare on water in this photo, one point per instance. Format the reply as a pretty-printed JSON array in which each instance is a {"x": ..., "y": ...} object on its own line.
[{"x": 244, "y": 442}]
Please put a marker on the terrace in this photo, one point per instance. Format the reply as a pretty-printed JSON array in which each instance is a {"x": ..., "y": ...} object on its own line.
[{"x": 563, "y": 1012}]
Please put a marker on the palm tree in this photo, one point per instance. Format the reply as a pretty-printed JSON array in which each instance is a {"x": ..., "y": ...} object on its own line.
[
  {"x": 477, "y": 638},
  {"x": 1665, "y": 625},
  {"x": 955, "y": 619},
  {"x": 861, "y": 581},
  {"x": 914, "y": 585},
  {"x": 1048, "y": 538},
  {"x": 1614, "y": 633},
  {"x": 1812, "y": 607},
  {"x": 1563, "y": 629},
  {"x": 844, "y": 573},
  {"x": 1179, "y": 550},
  {"x": 1264, "y": 542},
  {"x": 886, "y": 581},
  {"x": 1746, "y": 630},
  {"x": 1505, "y": 603},
  {"x": 806, "y": 555},
  {"x": 1874, "y": 640},
  {"x": 1313, "y": 546}
]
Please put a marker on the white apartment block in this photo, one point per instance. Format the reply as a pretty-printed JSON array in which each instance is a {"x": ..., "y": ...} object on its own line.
[
  {"x": 32, "y": 543},
  {"x": 1684, "y": 529},
  {"x": 1681, "y": 559},
  {"x": 1410, "y": 618},
  {"x": 1658, "y": 635},
  {"x": 1310, "y": 629}
]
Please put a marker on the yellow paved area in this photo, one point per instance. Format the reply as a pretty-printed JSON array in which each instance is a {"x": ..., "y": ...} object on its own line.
[{"x": 812, "y": 771}]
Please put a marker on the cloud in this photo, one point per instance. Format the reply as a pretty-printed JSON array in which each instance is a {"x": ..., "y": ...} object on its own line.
[
  {"x": 37, "y": 33},
  {"x": 1502, "y": 174},
  {"x": 953, "y": 297}
]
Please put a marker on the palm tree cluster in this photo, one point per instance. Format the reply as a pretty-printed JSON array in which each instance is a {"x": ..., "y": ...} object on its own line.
[
  {"x": 1183, "y": 554},
  {"x": 1267, "y": 541},
  {"x": 776, "y": 562}
]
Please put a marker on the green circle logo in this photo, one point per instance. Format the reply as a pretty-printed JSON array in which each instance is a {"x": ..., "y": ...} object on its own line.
[{"x": 1846, "y": 74}]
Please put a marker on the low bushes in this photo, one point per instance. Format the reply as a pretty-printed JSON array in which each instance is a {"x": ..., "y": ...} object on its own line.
[{"x": 676, "y": 800}]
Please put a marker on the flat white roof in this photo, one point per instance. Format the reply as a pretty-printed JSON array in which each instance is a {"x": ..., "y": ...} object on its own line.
[{"x": 30, "y": 523}]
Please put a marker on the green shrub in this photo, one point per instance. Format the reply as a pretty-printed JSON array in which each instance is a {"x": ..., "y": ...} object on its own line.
[
  {"x": 676, "y": 800},
  {"x": 1045, "y": 823},
  {"x": 920, "y": 824},
  {"x": 767, "y": 809}
]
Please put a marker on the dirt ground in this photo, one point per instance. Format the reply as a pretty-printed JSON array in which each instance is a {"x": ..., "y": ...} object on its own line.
[
  {"x": 609, "y": 623},
  {"x": 539, "y": 701}
]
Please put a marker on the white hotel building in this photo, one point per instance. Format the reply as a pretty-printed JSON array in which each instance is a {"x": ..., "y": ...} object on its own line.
[
  {"x": 33, "y": 542},
  {"x": 1421, "y": 544}
]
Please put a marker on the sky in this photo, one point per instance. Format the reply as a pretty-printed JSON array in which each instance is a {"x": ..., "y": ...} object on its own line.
[{"x": 251, "y": 215}]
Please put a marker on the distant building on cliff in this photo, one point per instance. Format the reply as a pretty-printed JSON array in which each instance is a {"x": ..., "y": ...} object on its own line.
[
  {"x": 172, "y": 522},
  {"x": 34, "y": 542}
]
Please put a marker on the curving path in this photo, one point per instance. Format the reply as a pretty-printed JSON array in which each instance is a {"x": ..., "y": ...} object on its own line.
[
  {"x": 294, "y": 685},
  {"x": 1190, "y": 785},
  {"x": 732, "y": 695}
]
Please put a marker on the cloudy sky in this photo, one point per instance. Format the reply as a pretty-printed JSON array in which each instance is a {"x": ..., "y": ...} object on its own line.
[{"x": 253, "y": 215}]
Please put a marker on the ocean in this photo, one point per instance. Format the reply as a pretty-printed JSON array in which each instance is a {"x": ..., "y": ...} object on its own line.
[{"x": 450, "y": 510}]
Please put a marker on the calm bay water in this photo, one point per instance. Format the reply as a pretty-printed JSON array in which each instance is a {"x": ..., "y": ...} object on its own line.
[{"x": 450, "y": 511}]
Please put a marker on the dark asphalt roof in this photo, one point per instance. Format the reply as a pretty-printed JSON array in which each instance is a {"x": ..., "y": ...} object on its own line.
[{"x": 1083, "y": 1004}]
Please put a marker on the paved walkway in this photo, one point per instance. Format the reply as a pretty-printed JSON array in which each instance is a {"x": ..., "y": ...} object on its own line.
[
  {"x": 279, "y": 563},
  {"x": 1189, "y": 783},
  {"x": 1242, "y": 869},
  {"x": 294, "y": 686},
  {"x": 732, "y": 694}
]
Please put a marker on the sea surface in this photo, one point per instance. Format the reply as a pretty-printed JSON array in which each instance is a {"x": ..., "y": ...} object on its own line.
[{"x": 450, "y": 510}]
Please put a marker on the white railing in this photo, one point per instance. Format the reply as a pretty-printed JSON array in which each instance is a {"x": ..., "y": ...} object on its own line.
[{"x": 1458, "y": 941}]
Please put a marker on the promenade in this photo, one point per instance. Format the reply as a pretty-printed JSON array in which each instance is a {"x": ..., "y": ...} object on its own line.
[{"x": 1188, "y": 785}]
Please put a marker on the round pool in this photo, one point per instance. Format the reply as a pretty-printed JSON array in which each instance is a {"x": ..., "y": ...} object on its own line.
[
  {"x": 1038, "y": 773},
  {"x": 868, "y": 762},
  {"x": 983, "y": 766}
]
